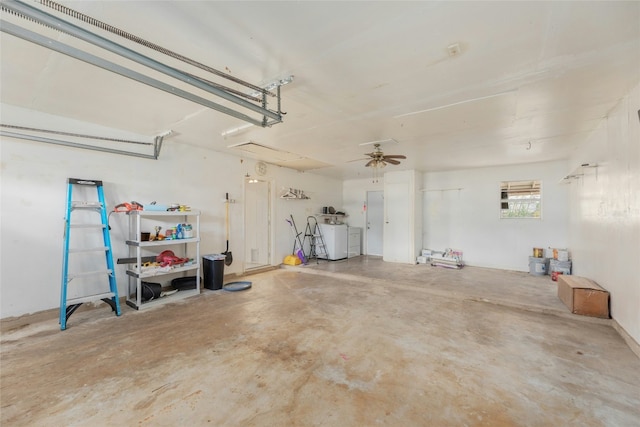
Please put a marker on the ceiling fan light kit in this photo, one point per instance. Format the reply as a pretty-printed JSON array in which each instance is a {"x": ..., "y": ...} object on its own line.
[{"x": 379, "y": 160}]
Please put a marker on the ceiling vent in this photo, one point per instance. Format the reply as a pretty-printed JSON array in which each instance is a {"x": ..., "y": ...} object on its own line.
[{"x": 263, "y": 152}]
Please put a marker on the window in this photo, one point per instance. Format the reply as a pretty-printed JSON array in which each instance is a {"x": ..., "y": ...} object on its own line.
[{"x": 520, "y": 199}]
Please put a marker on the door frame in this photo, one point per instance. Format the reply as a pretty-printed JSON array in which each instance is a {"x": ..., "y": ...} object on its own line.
[
  {"x": 366, "y": 224},
  {"x": 270, "y": 232}
]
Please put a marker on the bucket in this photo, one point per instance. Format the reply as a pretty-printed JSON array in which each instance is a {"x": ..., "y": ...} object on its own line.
[
  {"x": 538, "y": 266},
  {"x": 538, "y": 253},
  {"x": 150, "y": 291}
]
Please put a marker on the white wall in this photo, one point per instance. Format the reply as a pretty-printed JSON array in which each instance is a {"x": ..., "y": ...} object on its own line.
[
  {"x": 33, "y": 179},
  {"x": 605, "y": 211},
  {"x": 354, "y": 194},
  {"x": 322, "y": 191},
  {"x": 468, "y": 219},
  {"x": 462, "y": 208}
]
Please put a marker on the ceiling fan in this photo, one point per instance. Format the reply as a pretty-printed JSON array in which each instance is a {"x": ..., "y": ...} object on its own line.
[{"x": 379, "y": 159}]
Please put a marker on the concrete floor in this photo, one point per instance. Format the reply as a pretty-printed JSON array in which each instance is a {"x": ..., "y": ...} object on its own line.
[{"x": 353, "y": 343}]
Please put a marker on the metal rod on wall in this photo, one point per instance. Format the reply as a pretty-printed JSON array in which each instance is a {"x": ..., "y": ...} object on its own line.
[{"x": 78, "y": 145}]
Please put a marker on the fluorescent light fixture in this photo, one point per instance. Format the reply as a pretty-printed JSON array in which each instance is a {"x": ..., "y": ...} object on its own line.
[{"x": 236, "y": 130}]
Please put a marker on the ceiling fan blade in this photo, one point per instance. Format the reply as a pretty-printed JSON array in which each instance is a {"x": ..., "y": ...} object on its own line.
[
  {"x": 358, "y": 160},
  {"x": 395, "y": 156},
  {"x": 391, "y": 161}
]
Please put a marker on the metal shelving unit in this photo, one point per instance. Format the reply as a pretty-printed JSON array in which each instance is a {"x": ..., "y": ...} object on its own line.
[{"x": 137, "y": 246}]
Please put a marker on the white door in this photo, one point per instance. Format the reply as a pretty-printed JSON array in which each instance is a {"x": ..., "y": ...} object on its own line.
[
  {"x": 257, "y": 224},
  {"x": 375, "y": 222},
  {"x": 397, "y": 223}
]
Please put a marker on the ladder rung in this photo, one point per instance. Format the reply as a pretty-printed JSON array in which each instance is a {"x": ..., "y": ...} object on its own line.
[
  {"x": 98, "y": 249},
  {"x": 86, "y": 204},
  {"x": 89, "y": 273},
  {"x": 87, "y": 225},
  {"x": 78, "y": 181},
  {"x": 89, "y": 298}
]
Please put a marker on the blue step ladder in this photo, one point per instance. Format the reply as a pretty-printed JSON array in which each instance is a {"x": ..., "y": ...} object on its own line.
[{"x": 70, "y": 305}]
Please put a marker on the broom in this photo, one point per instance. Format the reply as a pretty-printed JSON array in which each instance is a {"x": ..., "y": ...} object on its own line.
[
  {"x": 228, "y": 257},
  {"x": 296, "y": 239}
]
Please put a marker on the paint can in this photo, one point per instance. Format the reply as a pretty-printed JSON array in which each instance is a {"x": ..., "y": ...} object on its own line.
[
  {"x": 538, "y": 253},
  {"x": 187, "y": 231},
  {"x": 555, "y": 274}
]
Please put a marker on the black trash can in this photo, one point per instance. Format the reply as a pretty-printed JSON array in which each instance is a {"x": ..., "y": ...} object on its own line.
[{"x": 213, "y": 271}]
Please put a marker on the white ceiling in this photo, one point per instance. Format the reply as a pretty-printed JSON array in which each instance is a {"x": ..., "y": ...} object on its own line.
[{"x": 532, "y": 80}]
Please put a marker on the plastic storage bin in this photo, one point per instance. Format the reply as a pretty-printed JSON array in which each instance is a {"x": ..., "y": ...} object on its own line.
[{"x": 538, "y": 266}]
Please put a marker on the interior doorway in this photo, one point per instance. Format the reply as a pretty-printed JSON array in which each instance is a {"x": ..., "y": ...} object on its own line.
[
  {"x": 257, "y": 237},
  {"x": 375, "y": 222},
  {"x": 397, "y": 222}
]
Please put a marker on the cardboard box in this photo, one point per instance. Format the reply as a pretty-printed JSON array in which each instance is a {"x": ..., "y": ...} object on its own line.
[{"x": 583, "y": 296}]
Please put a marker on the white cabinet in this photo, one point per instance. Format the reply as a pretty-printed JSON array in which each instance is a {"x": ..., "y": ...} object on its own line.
[
  {"x": 145, "y": 221},
  {"x": 335, "y": 240},
  {"x": 354, "y": 242},
  {"x": 340, "y": 241}
]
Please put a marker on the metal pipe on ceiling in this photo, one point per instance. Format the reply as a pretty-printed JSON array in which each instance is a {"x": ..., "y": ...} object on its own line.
[
  {"x": 124, "y": 34},
  {"x": 54, "y": 22},
  {"x": 15, "y": 30}
]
